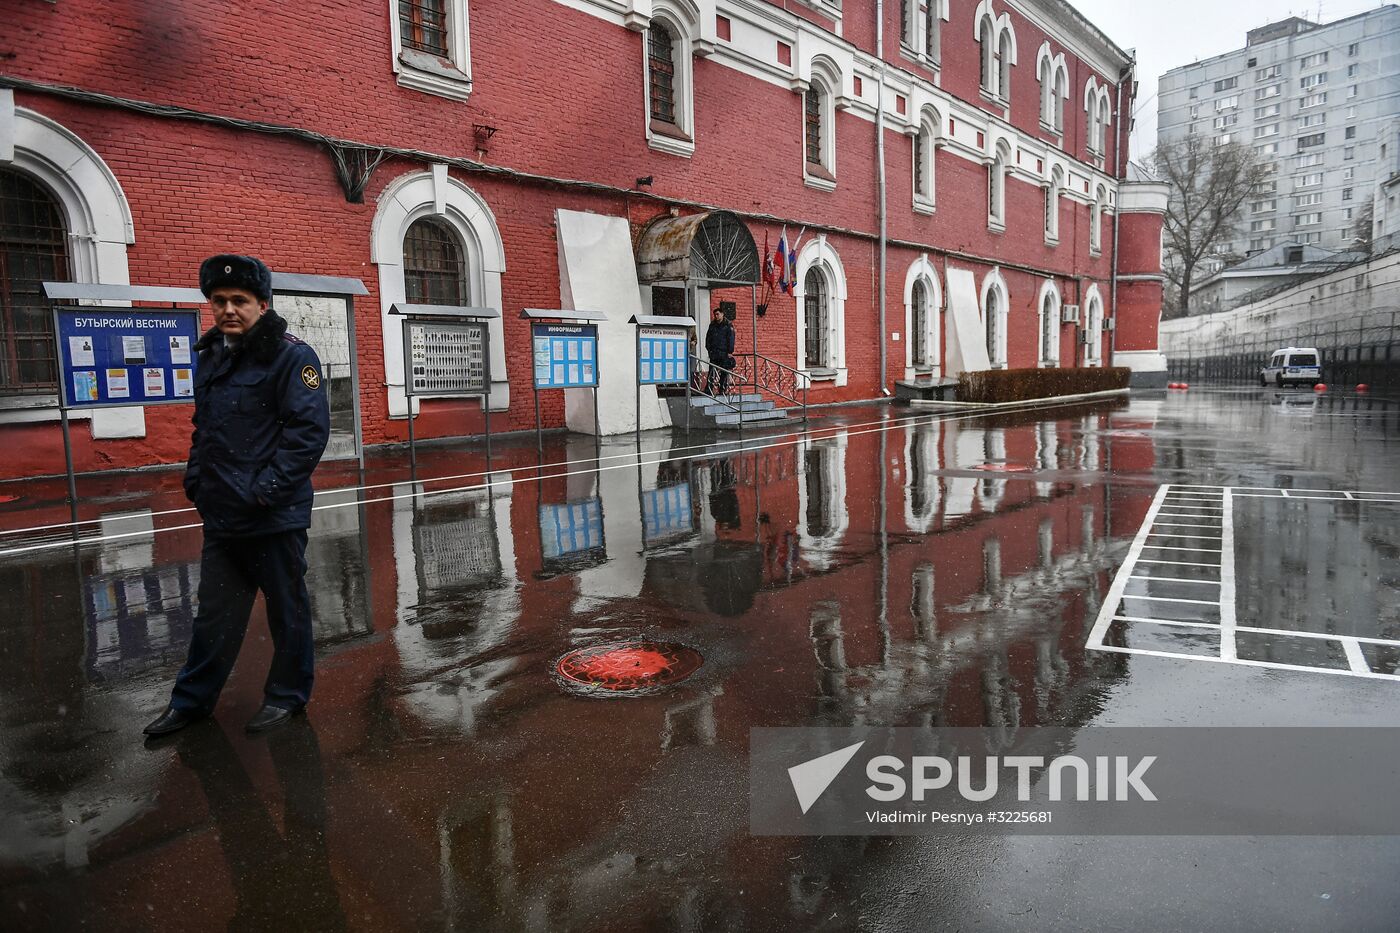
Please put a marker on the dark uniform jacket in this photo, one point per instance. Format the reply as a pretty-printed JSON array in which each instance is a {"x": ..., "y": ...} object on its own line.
[
  {"x": 261, "y": 422},
  {"x": 719, "y": 343}
]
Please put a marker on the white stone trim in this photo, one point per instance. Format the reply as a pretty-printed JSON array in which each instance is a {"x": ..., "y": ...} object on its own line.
[
  {"x": 922, "y": 269},
  {"x": 1093, "y": 326},
  {"x": 421, "y": 72},
  {"x": 1141, "y": 361},
  {"x": 818, "y": 252},
  {"x": 682, "y": 20},
  {"x": 756, "y": 25},
  {"x": 100, "y": 228},
  {"x": 406, "y": 199},
  {"x": 995, "y": 282},
  {"x": 1048, "y": 357}
]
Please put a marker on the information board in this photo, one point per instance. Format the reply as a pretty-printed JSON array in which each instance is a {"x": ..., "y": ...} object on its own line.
[
  {"x": 115, "y": 357},
  {"x": 569, "y": 529},
  {"x": 663, "y": 355},
  {"x": 566, "y": 356},
  {"x": 446, "y": 359}
]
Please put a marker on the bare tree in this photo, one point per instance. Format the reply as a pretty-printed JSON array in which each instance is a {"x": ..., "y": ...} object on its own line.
[
  {"x": 1362, "y": 228},
  {"x": 1209, "y": 184}
]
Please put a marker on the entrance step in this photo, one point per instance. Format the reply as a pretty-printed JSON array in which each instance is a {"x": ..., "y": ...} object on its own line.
[{"x": 700, "y": 401}]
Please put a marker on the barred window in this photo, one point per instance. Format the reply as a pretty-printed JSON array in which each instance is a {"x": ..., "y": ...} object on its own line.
[
  {"x": 33, "y": 250},
  {"x": 919, "y": 323},
  {"x": 813, "y": 121},
  {"x": 920, "y": 168},
  {"x": 434, "y": 266},
  {"x": 816, "y": 320},
  {"x": 993, "y": 322},
  {"x": 661, "y": 64},
  {"x": 423, "y": 26}
]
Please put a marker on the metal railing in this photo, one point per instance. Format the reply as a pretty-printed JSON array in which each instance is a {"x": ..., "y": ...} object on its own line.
[{"x": 768, "y": 375}]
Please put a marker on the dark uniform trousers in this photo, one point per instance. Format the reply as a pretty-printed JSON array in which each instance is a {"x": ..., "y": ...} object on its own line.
[{"x": 232, "y": 572}]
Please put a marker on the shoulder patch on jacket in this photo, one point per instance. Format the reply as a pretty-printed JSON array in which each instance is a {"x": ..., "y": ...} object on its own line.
[{"x": 311, "y": 377}]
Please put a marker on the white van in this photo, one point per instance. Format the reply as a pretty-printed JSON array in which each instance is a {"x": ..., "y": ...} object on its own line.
[{"x": 1292, "y": 364}]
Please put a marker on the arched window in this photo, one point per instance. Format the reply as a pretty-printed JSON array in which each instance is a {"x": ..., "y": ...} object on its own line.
[
  {"x": 918, "y": 324},
  {"x": 1052, "y": 205},
  {"x": 1049, "y": 327},
  {"x": 995, "y": 312},
  {"x": 1093, "y": 328},
  {"x": 816, "y": 131},
  {"x": 816, "y": 312},
  {"x": 1005, "y": 54},
  {"x": 1103, "y": 123},
  {"x": 1096, "y": 223},
  {"x": 434, "y": 265},
  {"x": 661, "y": 64},
  {"x": 996, "y": 190},
  {"x": 1046, "y": 74},
  {"x": 987, "y": 40},
  {"x": 33, "y": 250},
  {"x": 925, "y": 155},
  {"x": 920, "y": 164},
  {"x": 933, "y": 30},
  {"x": 1060, "y": 94},
  {"x": 993, "y": 317},
  {"x": 908, "y": 23}
]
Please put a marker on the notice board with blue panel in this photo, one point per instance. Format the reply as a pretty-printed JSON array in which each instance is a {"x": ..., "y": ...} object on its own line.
[
  {"x": 565, "y": 355},
  {"x": 111, "y": 357},
  {"x": 571, "y": 529},
  {"x": 663, "y": 355},
  {"x": 666, "y": 512}
]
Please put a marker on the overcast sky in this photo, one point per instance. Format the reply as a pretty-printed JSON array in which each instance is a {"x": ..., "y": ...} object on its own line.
[{"x": 1178, "y": 32}]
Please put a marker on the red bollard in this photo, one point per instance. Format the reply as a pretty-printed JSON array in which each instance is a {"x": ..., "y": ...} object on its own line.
[
  {"x": 1363, "y": 387},
  {"x": 1320, "y": 387},
  {"x": 1183, "y": 385}
]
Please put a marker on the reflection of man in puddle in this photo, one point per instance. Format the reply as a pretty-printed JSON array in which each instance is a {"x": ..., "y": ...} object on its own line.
[
  {"x": 281, "y": 880},
  {"x": 724, "y": 500}
]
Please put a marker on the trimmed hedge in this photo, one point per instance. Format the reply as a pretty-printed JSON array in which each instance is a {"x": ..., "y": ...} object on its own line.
[{"x": 1019, "y": 385}]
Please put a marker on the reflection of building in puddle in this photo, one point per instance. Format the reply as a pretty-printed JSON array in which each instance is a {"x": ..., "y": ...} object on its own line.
[
  {"x": 822, "y": 516},
  {"x": 458, "y": 598}
]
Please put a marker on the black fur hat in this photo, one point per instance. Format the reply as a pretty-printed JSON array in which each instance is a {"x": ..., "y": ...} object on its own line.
[{"x": 230, "y": 271}]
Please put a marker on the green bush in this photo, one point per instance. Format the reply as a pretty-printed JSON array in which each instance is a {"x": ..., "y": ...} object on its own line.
[{"x": 1019, "y": 385}]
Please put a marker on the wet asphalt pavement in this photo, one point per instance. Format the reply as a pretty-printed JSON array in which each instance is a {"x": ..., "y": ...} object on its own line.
[{"x": 890, "y": 566}]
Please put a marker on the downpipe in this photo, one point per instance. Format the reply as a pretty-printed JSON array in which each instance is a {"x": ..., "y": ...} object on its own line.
[{"x": 880, "y": 185}]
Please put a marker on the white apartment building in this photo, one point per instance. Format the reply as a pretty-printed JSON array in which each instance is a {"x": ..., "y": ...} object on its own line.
[{"x": 1312, "y": 100}]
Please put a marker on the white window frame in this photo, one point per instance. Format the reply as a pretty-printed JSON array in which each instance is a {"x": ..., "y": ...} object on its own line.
[
  {"x": 450, "y": 77},
  {"x": 1048, "y": 305},
  {"x": 685, "y": 33},
  {"x": 100, "y": 228},
  {"x": 926, "y": 133},
  {"x": 1054, "y": 189},
  {"x": 827, "y": 79},
  {"x": 1093, "y": 327},
  {"x": 821, "y": 552},
  {"x": 995, "y": 283},
  {"x": 1096, "y": 212},
  {"x": 997, "y": 170},
  {"x": 922, "y": 270},
  {"x": 818, "y": 252},
  {"x": 996, "y": 60},
  {"x": 434, "y": 193}
]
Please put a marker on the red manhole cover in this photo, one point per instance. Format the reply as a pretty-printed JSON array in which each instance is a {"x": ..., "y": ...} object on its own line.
[
  {"x": 629, "y": 667},
  {"x": 1004, "y": 467}
]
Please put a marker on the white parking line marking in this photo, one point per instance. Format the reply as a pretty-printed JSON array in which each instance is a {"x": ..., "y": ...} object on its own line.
[
  {"x": 1183, "y": 525},
  {"x": 1228, "y": 626},
  {"x": 1173, "y": 599},
  {"x": 1138, "y": 576},
  {"x": 1354, "y": 656}
]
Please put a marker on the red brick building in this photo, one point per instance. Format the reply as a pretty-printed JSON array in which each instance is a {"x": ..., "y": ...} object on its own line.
[{"x": 512, "y": 156}]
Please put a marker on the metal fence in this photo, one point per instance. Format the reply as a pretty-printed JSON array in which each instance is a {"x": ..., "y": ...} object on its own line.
[{"x": 1360, "y": 349}]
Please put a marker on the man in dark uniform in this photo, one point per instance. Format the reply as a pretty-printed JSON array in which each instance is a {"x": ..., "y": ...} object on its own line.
[
  {"x": 261, "y": 422},
  {"x": 719, "y": 344}
]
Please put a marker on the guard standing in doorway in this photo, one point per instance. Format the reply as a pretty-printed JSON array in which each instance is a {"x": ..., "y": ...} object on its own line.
[
  {"x": 261, "y": 422},
  {"x": 719, "y": 344}
]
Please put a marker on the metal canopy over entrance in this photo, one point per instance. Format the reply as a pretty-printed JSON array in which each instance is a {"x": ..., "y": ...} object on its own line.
[{"x": 713, "y": 249}]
